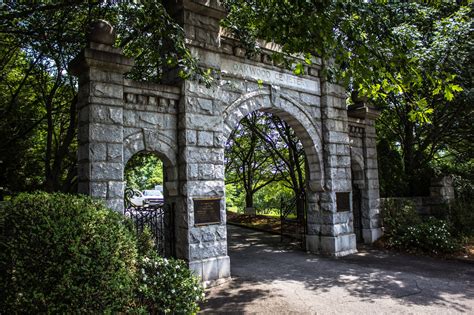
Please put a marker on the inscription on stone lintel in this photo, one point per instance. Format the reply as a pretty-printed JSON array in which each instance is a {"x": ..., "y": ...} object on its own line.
[
  {"x": 270, "y": 76},
  {"x": 207, "y": 211}
]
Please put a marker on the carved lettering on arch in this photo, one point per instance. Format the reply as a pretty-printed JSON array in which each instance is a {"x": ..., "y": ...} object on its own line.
[{"x": 257, "y": 73}]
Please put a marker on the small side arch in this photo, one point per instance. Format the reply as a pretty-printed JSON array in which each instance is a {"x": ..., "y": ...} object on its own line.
[
  {"x": 149, "y": 141},
  {"x": 357, "y": 167}
]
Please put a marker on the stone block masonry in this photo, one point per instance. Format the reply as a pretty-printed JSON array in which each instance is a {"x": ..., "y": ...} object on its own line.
[{"x": 187, "y": 124}]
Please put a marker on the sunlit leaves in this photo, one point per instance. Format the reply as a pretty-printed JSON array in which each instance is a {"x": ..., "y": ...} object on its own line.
[
  {"x": 264, "y": 151},
  {"x": 38, "y": 41},
  {"x": 449, "y": 91},
  {"x": 412, "y": 59},
  {"x": 299, "y": 69},
  {"x": 383, "y": 48}
]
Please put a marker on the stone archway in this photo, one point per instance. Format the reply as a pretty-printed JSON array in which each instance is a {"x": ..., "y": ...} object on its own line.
[
  {"x": 187, "y": 124},
  {"x": 151, "y": 141},
  {"x": 293, "y": 114},
  {"x": 265, "y": 100}
]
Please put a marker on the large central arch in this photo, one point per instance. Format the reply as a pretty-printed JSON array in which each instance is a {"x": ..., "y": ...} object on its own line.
[{"x": 293, "y": 114}]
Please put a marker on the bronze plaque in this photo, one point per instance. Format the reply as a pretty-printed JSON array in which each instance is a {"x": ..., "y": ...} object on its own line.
[
  {"x": 207, "y": 211},
  {"x": 343, "y": 201}
]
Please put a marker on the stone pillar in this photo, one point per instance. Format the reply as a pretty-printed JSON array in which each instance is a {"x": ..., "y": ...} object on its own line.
[
  {"x": 371, "y": 223},
  {"x": 100, "y": 68},
  {"x": 365, "y": 117},
  {"x": 336, "y": 236},
  {"x": 201, "y": 150}
]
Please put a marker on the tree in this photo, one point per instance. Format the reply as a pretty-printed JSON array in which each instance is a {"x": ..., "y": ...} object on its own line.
[
  {"x": 247, "y": 160},
  {"x": 287, "y": 154},
  {"x": 411, "y": 59},
  {"x": 37, "y": 98},
  {"x": 264, "y": 151}
]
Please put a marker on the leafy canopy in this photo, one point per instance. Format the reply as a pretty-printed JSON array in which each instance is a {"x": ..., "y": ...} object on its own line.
[{"x": 376, "y": 48}]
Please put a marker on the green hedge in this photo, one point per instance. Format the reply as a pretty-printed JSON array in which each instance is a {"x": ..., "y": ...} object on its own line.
[
  {"x": 63, "y": 252},
  {"x": 405, "y": 229},
  {"x": 70, "y": 254}
]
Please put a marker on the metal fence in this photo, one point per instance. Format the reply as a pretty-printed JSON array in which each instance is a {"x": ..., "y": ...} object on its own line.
[
  {"x": 158, "y": 218},
  {"x": 292, "y": 223}
]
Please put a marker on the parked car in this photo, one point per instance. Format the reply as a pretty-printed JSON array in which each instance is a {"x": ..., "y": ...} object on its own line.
[
  {"x": 152, "y": 197},
  {"x": 149, "y": 197}
]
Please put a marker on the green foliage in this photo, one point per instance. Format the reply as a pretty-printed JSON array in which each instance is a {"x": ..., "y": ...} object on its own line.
[
  {"x": 431, "y": 236},
  {"x": 143, "y": 171},
  {"x": 404, "y": 229},
  {"x": 234, "y": 197},
  {"x": 461, "y": 218},
  {"x": 38, "y": 94},
  {"x": 397, "y": 216},
  {"x": 167, "y": 286},
  {"x": 66, "y": 254},
  {"x": 62, "y": 254},
  {"x": 264, "y": 161},
  {"x": 268, "y": 200},
  {"x": 411, "y": 59},
  {"x": 376, "y": 47}
]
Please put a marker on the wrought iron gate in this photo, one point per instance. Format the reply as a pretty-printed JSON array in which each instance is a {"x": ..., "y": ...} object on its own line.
[
  {"x": 158, "y": 218},
  {"x": 292, "y": 223}
]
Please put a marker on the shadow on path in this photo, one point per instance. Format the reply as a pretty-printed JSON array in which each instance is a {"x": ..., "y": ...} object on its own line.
[{"x": 279, "y": 277}]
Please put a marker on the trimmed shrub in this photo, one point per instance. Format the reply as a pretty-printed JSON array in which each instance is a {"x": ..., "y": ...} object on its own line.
[
  {"x": 461, "y": 218},
  {"x": 404, "y": 229},
  {"x": 64, "y": 254},
  {"x": 167, "y": 286},
  {"x": 398, "y": 215},
  {"x": 69, "y": 254}
]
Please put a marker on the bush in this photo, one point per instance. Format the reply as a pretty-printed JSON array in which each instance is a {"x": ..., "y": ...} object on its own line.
[
  {"x": 432, "y": 236},
  {"x": 404, "y": 229},
  {"x": 69, "y": 254},
  {"x": 397, "y": 216},
  {"x": 461, "y": 218},
  {"x": 63, "y": 253},
  {"x": 167, "y": 286}
]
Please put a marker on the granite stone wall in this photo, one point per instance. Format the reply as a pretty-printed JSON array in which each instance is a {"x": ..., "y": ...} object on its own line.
[
  {"x": 187, "y": 125},
  {"x": 365, "y": 169}
]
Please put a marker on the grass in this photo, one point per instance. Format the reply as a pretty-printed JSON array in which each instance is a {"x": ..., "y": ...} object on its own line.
[
  {"x": 265, "y": 223},
  {"x": 271, "y": 213}
]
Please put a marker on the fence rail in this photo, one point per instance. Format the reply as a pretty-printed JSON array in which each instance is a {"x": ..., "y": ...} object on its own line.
[
  {"x": 158, "y": 218},
  {"x": 292, "y": 223}
]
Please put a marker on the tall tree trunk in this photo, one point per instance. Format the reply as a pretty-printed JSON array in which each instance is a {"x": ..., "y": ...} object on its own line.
[
  {"x": 300, "y": 206},
  {"x": 408, "y": 158},
  {"x": 249, "y": 199}
]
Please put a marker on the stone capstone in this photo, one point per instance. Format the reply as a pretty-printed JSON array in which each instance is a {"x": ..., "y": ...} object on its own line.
[{"x": 101, "y": 32}]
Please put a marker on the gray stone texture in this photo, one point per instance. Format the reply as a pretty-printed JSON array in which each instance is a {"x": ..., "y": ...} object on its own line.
[{"x": 187, "y": 123}]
